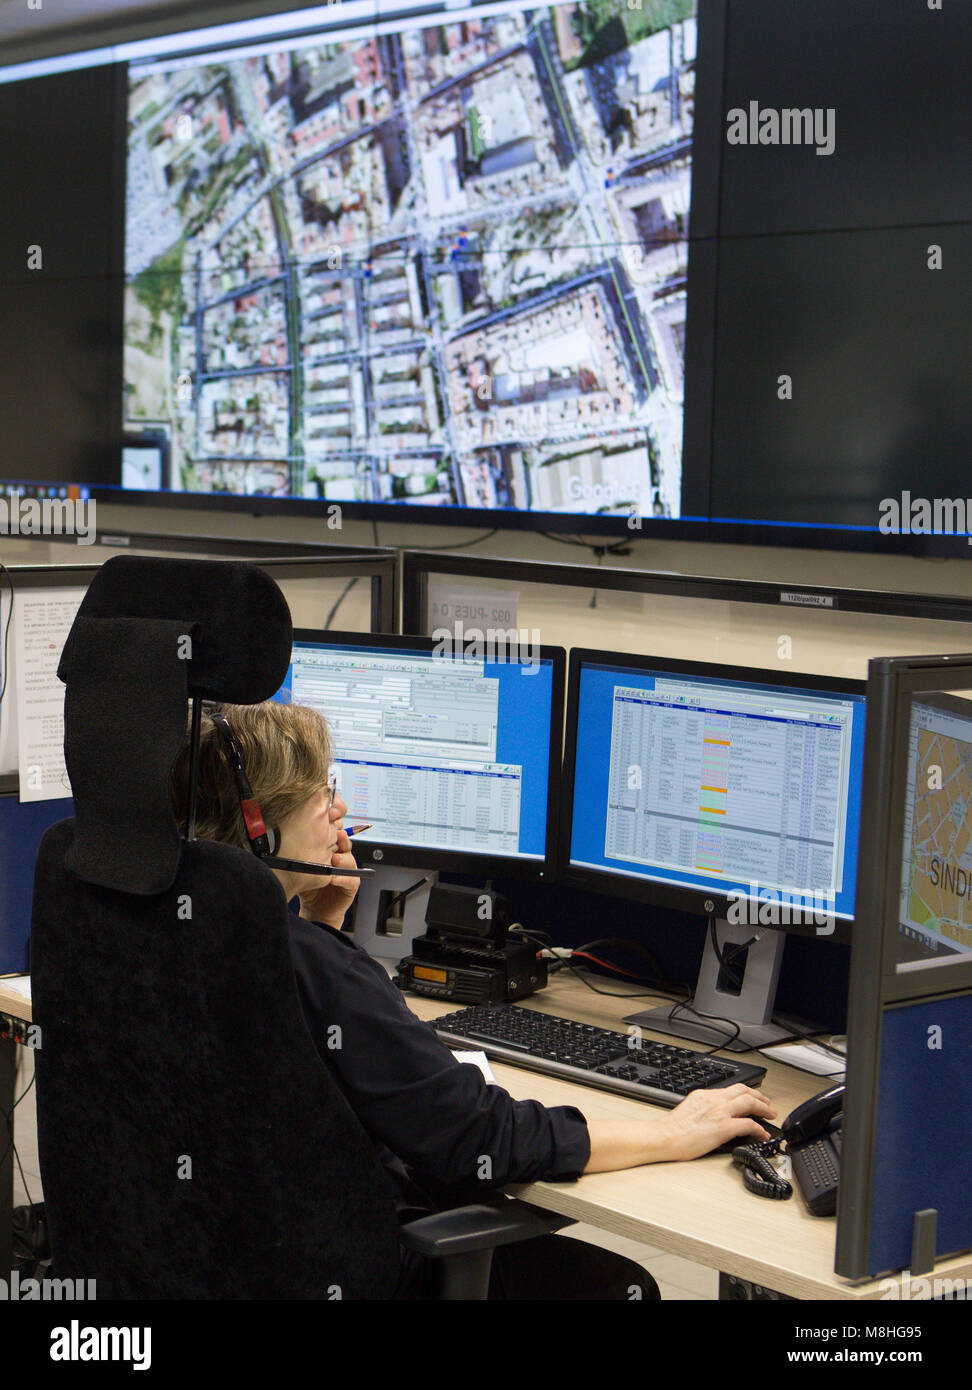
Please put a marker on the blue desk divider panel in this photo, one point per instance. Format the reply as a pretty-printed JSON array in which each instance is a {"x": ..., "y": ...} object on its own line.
[
  {"x": 22, "y": 825},
  {"x": 924, "y": 1125}
]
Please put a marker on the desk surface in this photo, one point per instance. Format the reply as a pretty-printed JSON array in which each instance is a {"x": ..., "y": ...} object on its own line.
[
  {"x": 698, "y": 1209},
  {"x": 13, "y": 999}
]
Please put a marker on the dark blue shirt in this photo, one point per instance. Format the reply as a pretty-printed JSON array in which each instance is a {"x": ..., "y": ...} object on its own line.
[{"x": 418, "y": 1104}]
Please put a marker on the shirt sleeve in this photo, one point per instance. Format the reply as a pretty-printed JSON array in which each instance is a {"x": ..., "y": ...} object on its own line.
[{"x": 439, "y": 1115}]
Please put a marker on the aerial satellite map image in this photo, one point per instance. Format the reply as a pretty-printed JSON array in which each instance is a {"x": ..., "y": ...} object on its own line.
[{"x": 418, "y": 262}]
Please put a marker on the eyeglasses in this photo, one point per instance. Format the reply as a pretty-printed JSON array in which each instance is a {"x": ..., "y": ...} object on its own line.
[{"x": 332, "y": 788}]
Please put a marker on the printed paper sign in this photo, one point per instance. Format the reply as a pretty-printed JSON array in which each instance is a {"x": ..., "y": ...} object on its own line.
[
  {"x": 472, "y": 606},
  {"x": 42, "y": 621}
]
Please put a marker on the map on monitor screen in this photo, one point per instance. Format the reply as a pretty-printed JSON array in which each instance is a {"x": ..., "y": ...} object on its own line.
[
  {"x": 417, "y": 261},
  {"x": 936, "y": 886}
]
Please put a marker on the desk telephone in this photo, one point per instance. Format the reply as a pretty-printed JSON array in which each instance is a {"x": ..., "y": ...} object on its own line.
[{"x": 812, "y": 1134}]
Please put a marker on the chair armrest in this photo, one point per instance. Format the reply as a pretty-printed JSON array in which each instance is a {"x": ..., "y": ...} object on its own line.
[{"x": 480, "y": 1227}]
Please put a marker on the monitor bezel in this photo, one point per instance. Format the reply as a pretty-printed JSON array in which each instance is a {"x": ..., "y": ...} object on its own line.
[
  {"x": 202, "y": 44},
  {"x": 463, "y": 862},
  {"x": 652, "y": 891},
  {"x": 895, "y": 684},
  {"x": 929, "y": 681}
]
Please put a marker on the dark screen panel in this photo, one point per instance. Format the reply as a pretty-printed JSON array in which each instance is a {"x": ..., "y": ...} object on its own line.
[
  {"x": 56, "y": 406},
  {"x": 57, "y": 174},
  {"x": 875, "y": 343},
  {"x": 59, "y": 323},
  {"x": 897, "y": 77},
  {"x": 877, "y": 346}
]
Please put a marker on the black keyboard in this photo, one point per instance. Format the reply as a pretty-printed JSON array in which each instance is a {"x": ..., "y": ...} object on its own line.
[{"x": 653, "y": 1071}]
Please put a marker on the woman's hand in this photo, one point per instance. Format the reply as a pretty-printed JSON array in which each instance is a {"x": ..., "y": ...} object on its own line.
[
  {"x": 330, "y": 902},
  {"x": 707, "y": 1118},
  {"x": 700, "y": 1123}
]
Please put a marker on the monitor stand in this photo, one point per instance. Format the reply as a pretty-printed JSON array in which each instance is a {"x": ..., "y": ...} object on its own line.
[
  {"x": 751, "y": 1009},
  {"x": 374, "y": 895}
]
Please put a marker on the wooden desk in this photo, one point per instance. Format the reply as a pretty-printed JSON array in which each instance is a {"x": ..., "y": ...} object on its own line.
[{"x": 699, "y": 1209}]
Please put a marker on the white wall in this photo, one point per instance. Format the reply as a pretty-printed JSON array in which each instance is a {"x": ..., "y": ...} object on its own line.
[{"x": 774, "y": 563}]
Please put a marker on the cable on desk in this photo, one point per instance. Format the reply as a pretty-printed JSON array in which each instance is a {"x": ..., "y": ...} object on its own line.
[
  {"x": 727, "y": 954},
  {"x": 23, "y": 1178},
  {"x": 809, "y": 1036},
  {"x": 8, "y": 1117},
  {"x": 400, "y": 898},
  {"x": 567, "y": 961},
  {"x": 659, "y": 992},
  {"x": 758, "y": 1174},
  {"x": 662, "y": 985},
  {"x": 606, "y": 965},
  {"x": 687, "y": 1006},
  {"x": 658, "y": 976},
  {"x": 732, "y": 950}
]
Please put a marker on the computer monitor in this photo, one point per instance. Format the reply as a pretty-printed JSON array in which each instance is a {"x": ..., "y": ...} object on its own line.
[
  {"x": 451, "y": 751},
  {"x": 935, "y": 913},
  {"x": 903, "y": 1200},
  {"x": 731, "y": 793}
]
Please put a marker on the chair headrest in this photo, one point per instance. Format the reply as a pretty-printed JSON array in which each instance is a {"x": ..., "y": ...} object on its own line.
[
  {"x": 245, "y": 636},
  {"x": 149, "y": 633}
]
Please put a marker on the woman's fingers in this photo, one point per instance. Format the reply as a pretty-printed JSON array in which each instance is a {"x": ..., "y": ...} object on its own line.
[{"x": 752, "y": 1104}]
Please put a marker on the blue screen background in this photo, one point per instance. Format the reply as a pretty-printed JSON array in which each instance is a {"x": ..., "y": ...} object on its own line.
[
  {"x": 523, "y": 727},
  {"x": 592, "y": 771}
]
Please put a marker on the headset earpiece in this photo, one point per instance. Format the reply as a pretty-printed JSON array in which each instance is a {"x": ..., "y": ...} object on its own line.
[
  {"x": 265, "y": 840},
  {"x": 256, "y": 830}
]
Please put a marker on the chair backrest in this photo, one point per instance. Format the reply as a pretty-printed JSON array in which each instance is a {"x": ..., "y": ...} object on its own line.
[{"x": 192, "y": 1143}]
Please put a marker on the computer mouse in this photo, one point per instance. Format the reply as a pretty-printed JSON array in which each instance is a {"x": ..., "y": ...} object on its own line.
[{"x": 736, "y": 1140}]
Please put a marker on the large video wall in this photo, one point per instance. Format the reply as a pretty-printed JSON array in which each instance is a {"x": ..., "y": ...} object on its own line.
[
  {"x": 691, "y": 268},
  {"x": 438, "y": 263}
]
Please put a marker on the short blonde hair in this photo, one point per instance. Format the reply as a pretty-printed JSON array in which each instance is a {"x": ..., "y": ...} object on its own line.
[{"x": 286, "y": 751}]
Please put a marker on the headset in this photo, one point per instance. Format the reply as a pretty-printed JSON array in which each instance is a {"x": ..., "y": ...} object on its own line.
[{"x": 264, "y": 841}]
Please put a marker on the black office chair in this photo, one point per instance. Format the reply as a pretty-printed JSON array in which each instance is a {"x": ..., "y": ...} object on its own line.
[{"x": 192, "y": 1143}]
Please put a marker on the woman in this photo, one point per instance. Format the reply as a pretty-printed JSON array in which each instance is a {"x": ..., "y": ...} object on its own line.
[{"x": 443, "y": 1135}]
